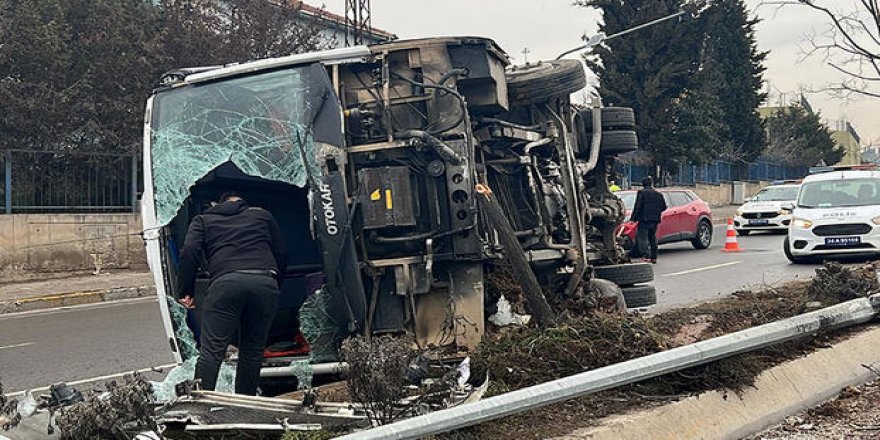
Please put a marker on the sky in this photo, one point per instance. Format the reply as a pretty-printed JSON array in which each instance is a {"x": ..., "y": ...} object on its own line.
[{"x": 549, "y": 27}]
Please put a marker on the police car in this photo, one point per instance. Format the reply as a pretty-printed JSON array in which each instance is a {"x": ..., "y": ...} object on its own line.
[
  {"x": 764, "y": 211},
  {"x": 837, "y": 213}
]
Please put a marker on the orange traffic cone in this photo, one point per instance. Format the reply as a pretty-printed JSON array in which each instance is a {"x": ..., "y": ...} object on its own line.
[{"x": 730, "y": 244}]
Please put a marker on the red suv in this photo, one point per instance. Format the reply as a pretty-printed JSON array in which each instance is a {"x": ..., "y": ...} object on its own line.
[{"x": 687, "y": 218}]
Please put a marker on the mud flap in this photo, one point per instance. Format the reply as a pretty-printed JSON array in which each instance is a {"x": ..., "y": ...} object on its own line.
[
  {"x": 455, "y": 316},
  {"x": 344, "y": 283}
]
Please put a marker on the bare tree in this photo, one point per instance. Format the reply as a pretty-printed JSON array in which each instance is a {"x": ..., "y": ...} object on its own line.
[{"x": 850, "y": 43}]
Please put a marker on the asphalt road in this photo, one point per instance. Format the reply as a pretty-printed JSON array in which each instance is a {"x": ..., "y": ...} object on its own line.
[
  {"x": 684, "y": 275},
  {"x": 41, "y": 348}
]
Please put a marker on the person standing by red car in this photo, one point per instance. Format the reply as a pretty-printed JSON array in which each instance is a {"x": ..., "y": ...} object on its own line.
[{"x": 646, "y": 212}]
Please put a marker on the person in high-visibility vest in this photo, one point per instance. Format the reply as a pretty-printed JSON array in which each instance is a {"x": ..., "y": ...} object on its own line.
[{"x": 612, "y": 186}]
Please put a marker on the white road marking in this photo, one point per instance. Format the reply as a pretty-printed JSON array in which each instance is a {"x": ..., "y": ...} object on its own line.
[
  {"x": 700, "y": 269},
  {"x": 65, "y": 309},
  {"x": 93, "y": 379},
  {"x": 26, "y": 344}
]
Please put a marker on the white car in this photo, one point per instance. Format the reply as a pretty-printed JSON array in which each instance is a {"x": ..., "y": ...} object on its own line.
[
  {"x": 764, "y": 211},
  {"x": 837, "y": 213}
]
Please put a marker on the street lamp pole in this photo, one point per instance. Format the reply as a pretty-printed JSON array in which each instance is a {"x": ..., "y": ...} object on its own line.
[{"x": 600, "y": 37}]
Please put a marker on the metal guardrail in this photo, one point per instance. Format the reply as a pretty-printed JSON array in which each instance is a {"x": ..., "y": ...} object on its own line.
[{"x": 850, "y": 313}]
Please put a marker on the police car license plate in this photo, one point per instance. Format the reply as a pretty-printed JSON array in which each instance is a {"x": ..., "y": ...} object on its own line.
[
  {"x": 761, "y": 222},
  {"x": 842, "y": 241}
]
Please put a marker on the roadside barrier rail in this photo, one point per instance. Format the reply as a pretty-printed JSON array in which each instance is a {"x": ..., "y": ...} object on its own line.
[{"x": 842, "y": 315}]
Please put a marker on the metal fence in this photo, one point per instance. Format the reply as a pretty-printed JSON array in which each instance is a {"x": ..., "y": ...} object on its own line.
[
  {"x": 712, "y": 173},
  {"x": 71, "y": 182}
]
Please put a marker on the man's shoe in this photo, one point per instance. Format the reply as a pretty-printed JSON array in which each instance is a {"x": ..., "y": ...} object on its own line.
[
  {"x": 653, "y": 261},
  {"x": 646, "y": 260}
]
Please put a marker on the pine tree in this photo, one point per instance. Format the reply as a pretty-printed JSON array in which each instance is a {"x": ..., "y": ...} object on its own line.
[
  {"x": 649, "y": 70},
  {"x": 695, "y": 85},
  {"x": 730, "y": 37},
  {"x": 798, "y": 137},
  {"x": 698, "y": 128}
]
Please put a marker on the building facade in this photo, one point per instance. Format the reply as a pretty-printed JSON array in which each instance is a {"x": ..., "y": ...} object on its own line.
[
  {"x": 846, "y": 138},
  {"x": 843, "y": 133}
]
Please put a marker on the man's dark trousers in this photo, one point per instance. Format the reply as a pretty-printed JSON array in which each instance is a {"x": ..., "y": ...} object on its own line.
[
  {"x": 646, "y": 239},
  {"x": 233, "y": 302}
]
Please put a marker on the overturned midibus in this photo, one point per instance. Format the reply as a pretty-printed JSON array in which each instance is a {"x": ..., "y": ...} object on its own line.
[{"x": 383, "y": 165}]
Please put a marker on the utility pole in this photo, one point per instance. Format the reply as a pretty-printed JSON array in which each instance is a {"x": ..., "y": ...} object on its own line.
[
  {"x": 526, "y": 53},
  {"x": 357, "y": 21}
]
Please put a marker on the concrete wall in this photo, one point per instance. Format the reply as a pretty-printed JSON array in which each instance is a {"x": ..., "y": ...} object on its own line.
[
  {"x": 752, "y": 188},
  {"x": 714, "y": 195},
  {"x": 40, "y": 245},
  {"x": 720, "y": 195}
]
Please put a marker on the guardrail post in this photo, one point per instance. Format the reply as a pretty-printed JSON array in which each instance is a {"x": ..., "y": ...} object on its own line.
[{"x": 7, "y": 188}]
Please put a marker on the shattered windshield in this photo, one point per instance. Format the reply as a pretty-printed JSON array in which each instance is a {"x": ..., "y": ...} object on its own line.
[{"x": 262, "y": 123}]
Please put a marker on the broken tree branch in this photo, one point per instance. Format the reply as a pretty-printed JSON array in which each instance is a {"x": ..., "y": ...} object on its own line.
[{"x": 513, "y": 252}]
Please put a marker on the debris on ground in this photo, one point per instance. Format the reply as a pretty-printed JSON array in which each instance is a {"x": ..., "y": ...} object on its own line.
[
  {"x": 336, "y": 392},
  {"x": 390, "y": 379},
  {"x": 853, "y": 414},
  {"x": 523, "y": 357},
  {"x": 231, "y": 416},
  {"x": 835, "y": 283},
  {"x": 309, "y": 435},
  {"x": 9, "y": 413},
  {"x": 532, "y": 356},
  {"x": 120, "y": 411},
  {"x": 506, "y": 316},
  {"x": 393, "y": 380},
  {"x": 379, "y": 372}
]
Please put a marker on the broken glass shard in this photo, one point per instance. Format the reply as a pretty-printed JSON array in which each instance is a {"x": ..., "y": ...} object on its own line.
[{"x": 164, "y": 391}]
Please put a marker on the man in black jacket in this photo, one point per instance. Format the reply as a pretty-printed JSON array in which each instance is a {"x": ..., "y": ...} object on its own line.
[
  {"x": 244, "y": 254},
  {"x": 647, "y": 211}
]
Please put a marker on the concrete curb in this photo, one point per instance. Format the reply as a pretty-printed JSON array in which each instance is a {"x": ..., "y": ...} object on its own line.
[
  {"x": 75, "y": 298},
  {"x": 780, "y": 391}
]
